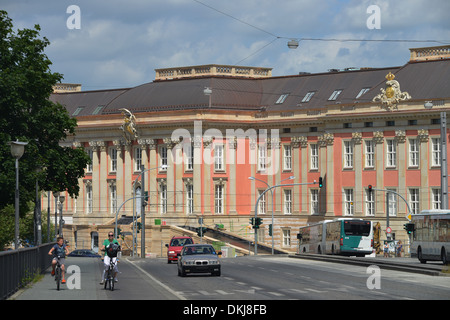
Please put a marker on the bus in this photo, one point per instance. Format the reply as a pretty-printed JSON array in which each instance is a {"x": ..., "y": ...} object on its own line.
[
  {"x": 431, "y": 237},
  {"x": 343, "y": 236}
]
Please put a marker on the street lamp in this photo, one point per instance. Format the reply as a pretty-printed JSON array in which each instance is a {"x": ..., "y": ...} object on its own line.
[
  {"x": 17, "y": 150},
  {"x": 293, "y": 44},
  {"x": 61, "y": 221},
  {"x": 271, "y": 191}
]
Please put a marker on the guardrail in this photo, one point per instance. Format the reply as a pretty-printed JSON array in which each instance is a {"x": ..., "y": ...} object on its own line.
[{"x": 19, "y": 267}]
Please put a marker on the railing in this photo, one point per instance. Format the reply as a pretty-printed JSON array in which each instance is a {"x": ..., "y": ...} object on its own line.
[{"x": 19, "y": 267}]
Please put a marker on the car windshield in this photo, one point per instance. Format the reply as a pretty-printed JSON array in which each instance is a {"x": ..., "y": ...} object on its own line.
[
  {"x": 199, "y": 250},
  {"x": 180, "y": 242}
]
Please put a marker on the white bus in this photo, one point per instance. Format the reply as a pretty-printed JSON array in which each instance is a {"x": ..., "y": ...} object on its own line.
[
  {"x": 431, "y": 237},
  {"x": 343, "y": 236}
]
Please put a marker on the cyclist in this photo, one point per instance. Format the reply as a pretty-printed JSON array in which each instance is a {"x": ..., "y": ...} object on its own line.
[
  {"x": 59, "y": 251},
  {"x": 111, "y": 247}
]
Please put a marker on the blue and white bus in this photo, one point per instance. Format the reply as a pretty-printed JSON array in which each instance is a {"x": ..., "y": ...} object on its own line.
[
  {"x": 343, "y": 236},
  {"x": 431, "y": 237}
]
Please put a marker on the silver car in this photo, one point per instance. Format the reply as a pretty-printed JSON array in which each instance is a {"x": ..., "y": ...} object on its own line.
[{"x": 198, "y": 258}]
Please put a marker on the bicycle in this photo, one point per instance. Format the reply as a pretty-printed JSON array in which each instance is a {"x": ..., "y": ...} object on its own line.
[
  {"x": 58, "y": 273},
  {"x": 110, "y": 275}
]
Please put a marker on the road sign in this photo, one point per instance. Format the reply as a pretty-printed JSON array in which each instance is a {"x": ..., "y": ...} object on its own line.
[
  {"x": 388, "y": 230},
  {"x": 408, "y": 217}
]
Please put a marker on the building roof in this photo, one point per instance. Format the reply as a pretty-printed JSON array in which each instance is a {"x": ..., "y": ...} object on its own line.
[{"x": 424, "y": 80}]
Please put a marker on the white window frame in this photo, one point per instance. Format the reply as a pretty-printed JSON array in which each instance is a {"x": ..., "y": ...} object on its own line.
[
  {"x": 287, "y": 205},
  {"x": 137, "y": 159},
  {"x": 348, "y": 154},
  {"x": 436, "y": 201},
  {"x": 189, "y": 199},
  {"x": 314, "y": 151},
  {"x": 414, "y": 200},
  {"x": 286, "y": 237},
  {"x": 219, "y": 198},
  {"x": 113, "y": 159},
  {"x": 162, "y": 156},
  {"x": 262, "y": 209},
  {"x": 308, "y": 96},
  {"x": 369, "y": 153},
  {"x": 413, "y": 152},
  {"x": 314, "y": 201},
  {"x": 163, "y": 198},
  {"x": 348, "y": 203},
  {"x": 336, "y": 93},
  {"x": 282, "y": 98},
  {"x": 89, "y": 198},
  {"x": 113, "y": 197},
  {"x": 370, "y": 203},
  {"x": 436, "y": 152},
  {"x": 393, "y": 203},
  {"x": 391, "y": 153},
  {"x": 219, "y": 157},
  {"x": 287, "y": 157},
  {"x": 262, "y": 157}
]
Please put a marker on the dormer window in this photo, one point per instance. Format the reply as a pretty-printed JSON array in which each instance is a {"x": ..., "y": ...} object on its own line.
[
  {"x": 308, "y": 96},
  {"x": 282, "y": 98},
  {"x": 335, "y": 95}
]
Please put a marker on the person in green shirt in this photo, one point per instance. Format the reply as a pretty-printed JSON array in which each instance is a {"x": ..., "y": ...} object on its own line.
[{"x": 111, "y": 247}]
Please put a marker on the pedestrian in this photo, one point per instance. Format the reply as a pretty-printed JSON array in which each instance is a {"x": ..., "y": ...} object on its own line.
[
  {"x": 386, "y": 249},
  {"x": 399, "y": 248}
]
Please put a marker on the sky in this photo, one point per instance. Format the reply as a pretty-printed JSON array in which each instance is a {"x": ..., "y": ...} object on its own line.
[{"x": 106, "y": 44}]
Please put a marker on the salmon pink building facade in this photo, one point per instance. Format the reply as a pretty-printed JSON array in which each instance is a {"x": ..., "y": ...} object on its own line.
[{"x": 213, "y": 138}]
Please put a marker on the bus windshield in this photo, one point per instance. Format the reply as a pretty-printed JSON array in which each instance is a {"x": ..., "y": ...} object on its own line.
[{"x": 357, "y": 228}]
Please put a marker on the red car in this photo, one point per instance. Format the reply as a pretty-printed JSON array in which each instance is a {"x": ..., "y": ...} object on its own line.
[{"x": 175, "y": 246}]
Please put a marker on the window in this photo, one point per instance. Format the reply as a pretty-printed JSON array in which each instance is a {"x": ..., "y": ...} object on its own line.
[
  {"x": 348, "y": 154},
  {"x": 137, "y": 159},
  {"x": 218, "y": 199},
  {"x": 163, "y": 197},
  {"x": 89, "y": 201},
  {"x": 162, "y": 156},
  {"x": 282, "y": 98},
  {"x": 413, "y": 153},
  {"x": 262, "y": 157},
  {"x": 414, "y": 200},
  {"x": 370, "y": 203},
  {"x": 113, "y": 157},
  {"x": 314, "y": 156},
  {"x": 334, "y": 95},
  {"x": 138, "y": 203},
  {"x": 77, "y": 112},
  {"x": 314, "y": 201},
  {"x": 363, "y": 90},
  {"x": 287, "y": 157},
  {"x": 262, "y": 203},
  {"x": 390, "y": 123},
  {"x": 218, "y": 157},
  {"x": 189, "y": 199},
  {"x": 113, "y": 197},
  {"x": 348, "y": 202},
  {"x": 97, "y": 110},
  {"x": 436, "y": 198},
  {"x": 90, "y": 153},
  {"x": 288, "y": 201},
  {"x": 391, "y": 153},
  {"x": 436, "y": 152},
  {"x": 308, "y": 96},
  {"x": 189, "y": 160},
  {"x": 369, "y": 154},
  {"x": 392, "y": 203},
  {"x": 286, "y": 237},
  {"x": 368, "y": 124}
]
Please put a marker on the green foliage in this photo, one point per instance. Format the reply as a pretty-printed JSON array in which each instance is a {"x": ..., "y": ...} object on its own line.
[{"x": 28, "y": 115}]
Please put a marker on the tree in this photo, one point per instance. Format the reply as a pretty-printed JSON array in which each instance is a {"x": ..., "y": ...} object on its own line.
[{"x": 27, "y": 114}]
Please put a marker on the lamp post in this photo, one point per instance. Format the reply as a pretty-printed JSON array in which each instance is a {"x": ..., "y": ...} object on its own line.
[
  {"x": 37, "y": 211},
  {"x": 263, "y": 193},
  {"x": 271, "y": 191},
  {"x": 61, "y": 221},
  {"x": 17, "y": 150},
  {"x": 56, "y": 195}
]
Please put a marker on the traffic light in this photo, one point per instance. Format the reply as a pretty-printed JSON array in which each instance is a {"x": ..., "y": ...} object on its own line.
[
  {"x": 270, "y": 230},
  {"x": 139, "y": 227},
  {"x": 252, "y": 221},
  {"x": 320, "y": 182},
  {"x": 146, "y": 195},
  {"x": 370, "y": 188},
  {"x": 409, "y": 227},
  {"x": 258, "y": 222},
  {"x": 201, "y": 231}
]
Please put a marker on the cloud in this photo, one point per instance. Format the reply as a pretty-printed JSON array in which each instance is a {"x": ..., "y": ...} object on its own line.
[{"x": 121, "y": 43}]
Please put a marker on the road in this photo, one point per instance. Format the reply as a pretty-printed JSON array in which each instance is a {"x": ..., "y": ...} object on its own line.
[
  {"x": 284, "y": 278},
  {"x": 260, "y": 278}
]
